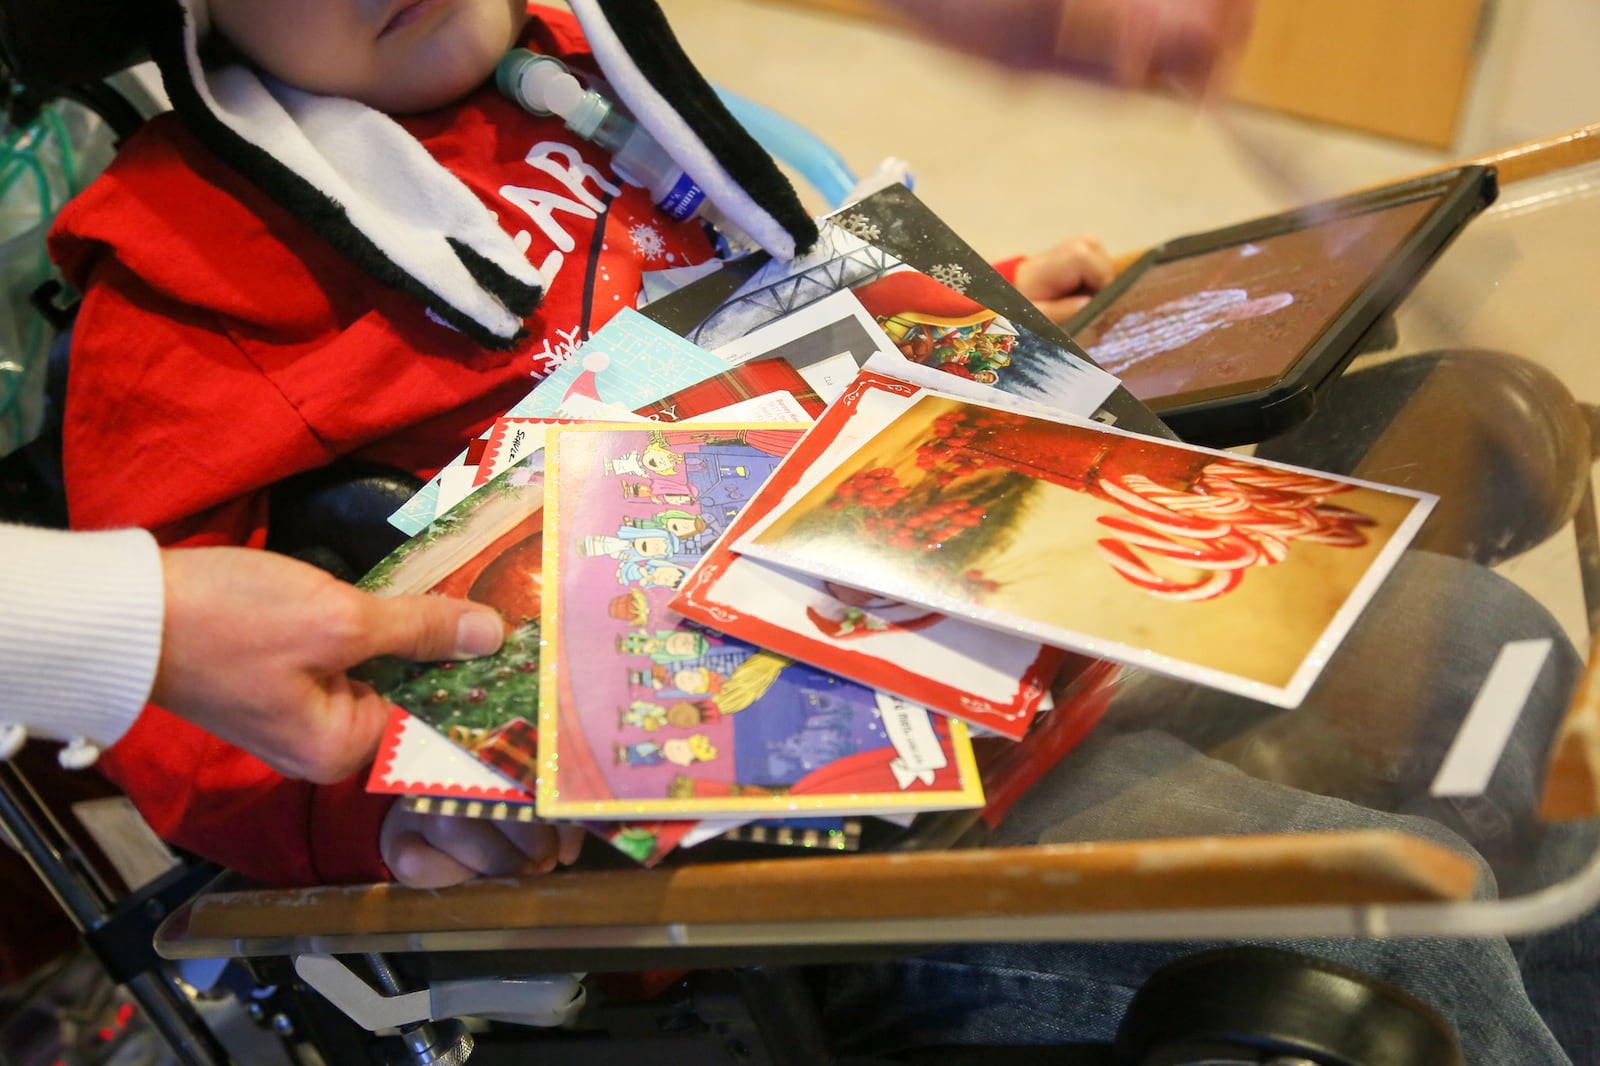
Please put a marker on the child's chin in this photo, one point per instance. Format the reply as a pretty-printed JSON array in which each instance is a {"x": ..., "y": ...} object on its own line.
[
  {"x": 411, "y": 96},
  {"x": 445, "y": 67}
]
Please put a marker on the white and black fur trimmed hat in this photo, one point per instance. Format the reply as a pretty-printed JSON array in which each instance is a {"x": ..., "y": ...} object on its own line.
[{"x": 368, "y": 187}]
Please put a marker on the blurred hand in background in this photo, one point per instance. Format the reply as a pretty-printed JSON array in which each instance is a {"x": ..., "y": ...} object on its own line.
[{"x": 1188, "y": 45}]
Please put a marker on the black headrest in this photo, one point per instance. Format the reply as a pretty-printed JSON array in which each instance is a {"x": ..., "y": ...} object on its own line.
[{"x": 47, "y": 45}]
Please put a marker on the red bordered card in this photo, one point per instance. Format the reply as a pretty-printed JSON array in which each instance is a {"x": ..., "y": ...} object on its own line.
[
  {"x": 1230, "y": 572},
  {"x": 949, "y": 664}
]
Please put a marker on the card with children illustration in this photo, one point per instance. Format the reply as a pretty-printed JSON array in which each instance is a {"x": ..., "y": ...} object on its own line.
[
  {"x": 467, "y": 731},
  {"x": 1238, "y": 574},
  {"x": 762, "y": 390},
  {"x": 950, "y": 664},
  {"x": 433, "y": 775},
  {"x": 643, "y": 713}
]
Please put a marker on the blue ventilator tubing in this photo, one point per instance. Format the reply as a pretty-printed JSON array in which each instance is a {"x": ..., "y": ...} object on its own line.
[{"x": 794, "y": 145}]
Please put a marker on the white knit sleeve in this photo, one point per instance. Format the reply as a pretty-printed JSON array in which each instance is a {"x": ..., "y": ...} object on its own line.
[{"x": 80, "y": 633}]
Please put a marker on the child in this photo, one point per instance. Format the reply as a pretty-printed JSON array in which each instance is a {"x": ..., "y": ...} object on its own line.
[{"x": 281, "y": 274}]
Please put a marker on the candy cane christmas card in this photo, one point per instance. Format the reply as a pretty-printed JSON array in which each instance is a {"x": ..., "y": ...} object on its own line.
[
  {"x": 986, "y": 677},
  {"x": 1237, "y": 574}
]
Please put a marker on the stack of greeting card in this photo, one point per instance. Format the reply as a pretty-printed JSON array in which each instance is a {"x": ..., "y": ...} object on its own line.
[{"x": 773, "y": 553}]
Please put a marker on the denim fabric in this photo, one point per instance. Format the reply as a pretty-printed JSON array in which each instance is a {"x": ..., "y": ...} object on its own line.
[
  {"x": 1069, "y": 992},
  {"x": 1375, "y": 727},
  {"x": 1077, "y": 993},
  {"x": 1562, "y": 975},
  {"x": 1175, "y": 760}
]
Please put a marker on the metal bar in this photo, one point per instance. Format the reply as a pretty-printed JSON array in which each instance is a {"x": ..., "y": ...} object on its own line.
[
  {"x": 169, "y": 1011},
  {"x": 171, "y": 1014},
  {"x": 68, "y": 844},
  {"x": 83, "y": 901}
]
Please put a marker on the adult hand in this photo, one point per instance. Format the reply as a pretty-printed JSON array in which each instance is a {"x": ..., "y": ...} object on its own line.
[
  {"x": 255, "y": 647},
  {"x": 432, "y": 851},
  {"x": 1189, "y": 44},
  {"x": 1060, "y": 281}
]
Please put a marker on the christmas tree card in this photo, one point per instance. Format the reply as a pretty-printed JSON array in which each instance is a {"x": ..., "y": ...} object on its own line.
[
  {"x": 465, "y": 732},
  {"x": 988, "y": 678},
  {"x": 645, "y": 714},
  {"x": 489, "y": 549},
  {"x": 1231, "y": 572}
]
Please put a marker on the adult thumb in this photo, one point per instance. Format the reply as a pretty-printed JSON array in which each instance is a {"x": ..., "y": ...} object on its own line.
[
  {"x": 329, "y": 749},
  {"x": 433, "y": 627}
]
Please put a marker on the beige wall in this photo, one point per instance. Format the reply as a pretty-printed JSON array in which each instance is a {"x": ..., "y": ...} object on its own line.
[
  {"x": 1537, "y": 75},
  {"x": 1400, "y": 69},
  {"x": 1462, "y": 76}
]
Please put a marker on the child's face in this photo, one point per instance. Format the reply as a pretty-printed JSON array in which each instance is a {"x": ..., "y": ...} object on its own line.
[
  {"x": 659, "y": 462},
  {"x": 398, "y": 56}
]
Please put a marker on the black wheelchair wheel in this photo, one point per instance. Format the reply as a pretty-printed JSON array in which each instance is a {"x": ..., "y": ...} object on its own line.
[{"x": 1252, "y": 1005}]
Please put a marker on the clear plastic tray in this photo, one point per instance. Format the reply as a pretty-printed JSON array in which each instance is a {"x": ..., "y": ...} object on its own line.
[{"x": 1189, "y": 814}]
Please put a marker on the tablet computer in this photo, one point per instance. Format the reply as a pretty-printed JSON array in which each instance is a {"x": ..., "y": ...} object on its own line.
[{"x": 1228, "y": 335}]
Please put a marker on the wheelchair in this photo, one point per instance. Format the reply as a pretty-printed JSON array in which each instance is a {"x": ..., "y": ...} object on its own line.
[{"x": 1234, "y": 1005}]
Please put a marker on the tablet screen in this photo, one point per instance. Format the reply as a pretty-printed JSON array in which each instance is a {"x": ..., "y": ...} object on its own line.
[{"x": 1236, "y": 319}]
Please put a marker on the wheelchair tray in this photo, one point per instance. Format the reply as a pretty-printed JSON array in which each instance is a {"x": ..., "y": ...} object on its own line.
[{"x": 1061, "y": 891}]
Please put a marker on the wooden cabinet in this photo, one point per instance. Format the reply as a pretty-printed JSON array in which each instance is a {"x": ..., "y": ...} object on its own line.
[{"x": 1398, "y": 69}]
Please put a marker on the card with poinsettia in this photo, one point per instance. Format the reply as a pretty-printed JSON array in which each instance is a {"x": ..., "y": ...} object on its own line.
[
  {"x": 1231, "y": 572},
  {"x": 945, "y": 662},
  {"x": 642, "y": 713}
]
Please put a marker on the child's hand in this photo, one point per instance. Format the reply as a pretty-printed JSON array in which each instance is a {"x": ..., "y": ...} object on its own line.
[
  {"x": 433, "y": 851},
  {"x": 1061, "y": 280}
]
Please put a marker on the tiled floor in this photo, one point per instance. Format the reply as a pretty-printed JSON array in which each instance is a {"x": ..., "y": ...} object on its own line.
[{"x": 70, "y": 1012}]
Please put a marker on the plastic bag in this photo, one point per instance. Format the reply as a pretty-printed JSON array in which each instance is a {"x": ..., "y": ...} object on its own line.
[{"x": 42, "y": 165}]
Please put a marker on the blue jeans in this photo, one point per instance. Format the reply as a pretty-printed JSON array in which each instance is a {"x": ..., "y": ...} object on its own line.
[
  {"x": 1173, "y": 760},
  {"x": 1059, "y": 993}
]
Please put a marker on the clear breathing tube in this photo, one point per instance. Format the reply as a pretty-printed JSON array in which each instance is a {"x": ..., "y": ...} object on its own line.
[{"x": 542, "y": 85}]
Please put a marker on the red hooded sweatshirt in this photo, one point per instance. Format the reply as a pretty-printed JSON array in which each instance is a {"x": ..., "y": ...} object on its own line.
[{"x": 223, "y": 346}]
